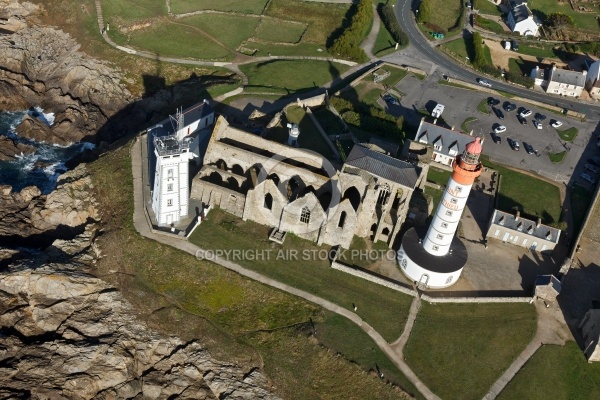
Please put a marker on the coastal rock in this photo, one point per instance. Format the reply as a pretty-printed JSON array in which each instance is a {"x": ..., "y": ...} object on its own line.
[
  {"x": 64, "y": 333},
  {"x": 9, "y": 149},
  {"x": 34, "y": 129},
  {"x": 10, "y": 98},
  {"x": 13, "y": 15}
]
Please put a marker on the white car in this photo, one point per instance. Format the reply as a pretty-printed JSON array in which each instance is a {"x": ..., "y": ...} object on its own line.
[
  {"x": 483, "y": 82},
  {"x": 525, "y": 113},
  {"x": 500, "y": 129},
  {"x": 556, "y": 124},
  {"x": 537, "y": 124}
]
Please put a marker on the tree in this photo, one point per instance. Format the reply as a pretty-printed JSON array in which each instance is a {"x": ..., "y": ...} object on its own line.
[
  {"x": 424, "y": 11},
  {"x": 559, "y": 19},
  {"x": 400, "y": 122}
]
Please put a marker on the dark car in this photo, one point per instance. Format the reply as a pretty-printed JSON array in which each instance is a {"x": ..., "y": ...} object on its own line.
[
  {"x": 540, "y": 117},
  {"x": 515, "y": 45},
  {"x": 508, "y": 106},
  {"x": 496, "y": 138},
  {"x": 522, "y": 120},
  {"x": 498, "y": 112},
  {"x": 592, "y": 162},
  {"x": 492, "y": 101},
  {"x": 528, "y": 148},
  {"x": 513, "y": 144}
]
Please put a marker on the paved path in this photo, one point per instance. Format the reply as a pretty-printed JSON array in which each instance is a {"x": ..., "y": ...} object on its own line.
[
  {"x": 399, "y": 344},
  {"x": 141, "y": 225},
  {"x": 367, "y": 44}
]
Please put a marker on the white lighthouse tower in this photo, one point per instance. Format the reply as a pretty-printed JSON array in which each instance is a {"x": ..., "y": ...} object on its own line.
[
  {"x": 293, "y": 133},
  {"x": 171, "y": 180},
  {"x": 435, "y": 259}
]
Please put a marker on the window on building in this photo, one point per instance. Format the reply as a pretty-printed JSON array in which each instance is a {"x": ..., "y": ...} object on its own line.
[
  {"x": 449, "y": 280},
  {"x": 453, "y": 200},
  {"x": 170, "y": 187},
  {"x": 384, "y": 194},
  {"x": 170, "y": 173},
  {"x": 449, "y": 213},
  {"x": 458, "y": 189},
  {"x": 444, "y": 224},
  {"x": 169, "y": 202},
  {"x": 435, "y": 248},
  {"x": 268, "y": 201},
  {"x": 305, "y": 216},
  {"x": 440, "y": 236}
]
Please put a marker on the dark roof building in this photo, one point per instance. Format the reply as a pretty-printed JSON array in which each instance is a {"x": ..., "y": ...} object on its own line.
[
  {"x": 446, "y": 143},
  {"x": 512, "y": 228}
]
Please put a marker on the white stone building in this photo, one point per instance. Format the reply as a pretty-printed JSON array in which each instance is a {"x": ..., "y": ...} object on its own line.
[
  {"x": 446, "y": 143},
  {"x": 566, "y": 82},
  {"x": 514, "y": 229},
  {"x": 592, "y": 79},
  {"x": 520, "y": 18}
]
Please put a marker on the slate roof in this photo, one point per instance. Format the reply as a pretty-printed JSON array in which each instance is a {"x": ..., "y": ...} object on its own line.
[
  {"x": 521, "y": 13},
  {"x": 567, "y": 77},
  {"x": 516, "y": 3},
  {"x": 545, "y": 280},
  {"x": 383, "y": 166},
  {"x": 526, "y": 226},
  {"x": 449, "y": 139},
  {"x": 543, "y": 72}
]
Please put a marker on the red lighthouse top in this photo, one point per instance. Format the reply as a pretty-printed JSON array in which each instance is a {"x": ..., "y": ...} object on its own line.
[{"x": 474, "y": 147}]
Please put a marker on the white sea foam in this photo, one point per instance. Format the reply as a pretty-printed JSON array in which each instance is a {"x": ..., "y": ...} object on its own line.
[{"x": 47, "y": 118}]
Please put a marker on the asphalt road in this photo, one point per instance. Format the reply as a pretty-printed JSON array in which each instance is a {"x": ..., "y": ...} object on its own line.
[{"x": 405, "y": 16}]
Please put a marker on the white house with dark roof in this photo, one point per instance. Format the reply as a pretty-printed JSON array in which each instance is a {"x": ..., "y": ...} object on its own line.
[
  {"x": 520, "y": 18},
  {"x": 512, "y": 228},
  {"x": 540, "y": 75},
  {"x": 446, "y": 143},
  {"x": 566, "y": 82}
]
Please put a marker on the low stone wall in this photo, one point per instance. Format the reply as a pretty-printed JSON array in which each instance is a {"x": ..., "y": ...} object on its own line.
[
  {"x": 314, "y": 101},
  {"x": 434, "y": 300},
  {"x": 372, "y": 278}
]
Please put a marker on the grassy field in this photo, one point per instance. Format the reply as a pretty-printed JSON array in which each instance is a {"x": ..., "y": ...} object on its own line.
[
  {"x": 385, "y": 309},
  {"x": 384, "y": 43},
  {"x": 118, "y": 10},
  {"x": 557, "y": 157},
  {"x": 445, "y": 14},
  {"x": 537, "y": 50},
  {"x": 171, "y": 42},
  {"x": 310, "y": 137},
  {"x": 362, "y": 245},
  {"x": 459, "y": 350},
  {"x": 457, "y": 47},
  {"x": 234, "y": 318},
  {"x": 435, "y": 194},
  {"x": 490, "y": 25},
  {"x": 322, "y": 18},
  {"x": 247, "y": 6},
  {"x": 220, "y": 27},
  {"x": 291, "y": 76},
  {"x": 568, "y": 135},
  {"x": 581, "y": 199},
  {"x": 438, "y": 176},
  {"x": 280, "y": 31},
  {"x": 396, "y": 75},
  {"x": 482, "y": 107},
  {"x": 487, "y": 7},
  {"x": 581, "y": 20},
  {"x": 555, "y": 372},
  {"x": 532, "y": 196}
]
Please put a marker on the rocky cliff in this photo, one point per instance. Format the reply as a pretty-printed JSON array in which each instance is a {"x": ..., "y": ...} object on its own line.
[
  {"x": 43, "y": 66},
  {"x": 67, "y": 334}
]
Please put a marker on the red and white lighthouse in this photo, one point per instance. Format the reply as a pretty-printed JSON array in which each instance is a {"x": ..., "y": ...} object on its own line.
[{"x": 435, "y": 259}]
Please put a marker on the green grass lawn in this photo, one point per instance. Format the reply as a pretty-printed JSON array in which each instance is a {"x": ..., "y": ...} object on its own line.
[
  {"x": 581, "y": 20},
  {"x": 581, "y": 198},
  {"x": 460, "y": 350},
  {"x": 568, "y": 135},
  {"x": 458, "y": 47},
  {"x": 487, "y": 7},
  {"x": 396, "y": 75},
  {"x": 438, "y": 176},
  {"x": 220, "y": 26},
  {"x": 293, "y": 75},
  {"x": 454, "y": 84},
  {"x": 557, "y": 157},
  {"x": 361, "y": 245},
  {"x": 246, "y": 6},
  {"x": 385, "y": 309},
  {"x": 445, "y": 13},
  {"x": 115, "y": 10},
  {"x": 465, "y": 125},
  {"x": 280, "y": 31},
  {"x": 538, "y": 50},
  {"x": 482, "y": 107},
  {"x": 384, "y": 43},
  {"x": 435, "y": 194},
  {"x": 322, "y": 18},
  {"x": 310, "y": 138},
  {"x": 490, "y": 25},
  {"x": 175, "y": 41},
  {"x": 533, "y": 197},
  {"x": 275, "y": 49},
  {"x": 555, "y": 372}
]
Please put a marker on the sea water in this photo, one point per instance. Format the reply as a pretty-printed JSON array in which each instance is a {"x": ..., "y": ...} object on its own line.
[{"x": 41, "y": 168}]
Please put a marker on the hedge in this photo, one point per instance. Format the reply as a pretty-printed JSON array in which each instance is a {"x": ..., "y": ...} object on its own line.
[
  {"x": 348, "y": 44},
  {"x": 386, "y": 12},
  {"x": 519, "y": 79}
]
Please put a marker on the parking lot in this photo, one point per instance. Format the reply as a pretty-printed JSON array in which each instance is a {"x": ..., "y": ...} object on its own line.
[{"x": 461, "y": 104}]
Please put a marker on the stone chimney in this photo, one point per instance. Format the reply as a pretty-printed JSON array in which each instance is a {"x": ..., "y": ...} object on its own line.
[
  {"x": 517, "y": 215},
  {"x": 538, "y": 223}
]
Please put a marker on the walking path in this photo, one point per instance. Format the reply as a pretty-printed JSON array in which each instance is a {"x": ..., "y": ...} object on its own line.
[
  {"x": 367, "y": 44},
  {"x": 141, "y": 225},
  {"x": 399, "y": 344}
]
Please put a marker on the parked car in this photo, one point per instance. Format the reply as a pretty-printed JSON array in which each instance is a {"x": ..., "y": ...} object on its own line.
[
  {"x": 522, "y": 120},
  {"x": 587, "y": 178},
  {"x": 525, "y": 113},
  {"x": 492, "y": 101},
  {"x": 515, "y": 45},
  {"x": 592, "y": 162},
  {"x": 483, "y": 82},
  {"x": 592, "y": 168},
  {"x": 514, "y": 144},
  {"x": 528, "y": 148},
  {"x": 556, "y": 124},
  {"x": 390, "y": 99},
  {"x": 508, "y": 106},
  {"x": 500, "y": 129},
  {"x": 538, "y": 124},
  {"x": 498, "y": 113},
  {"x": 540, "y": 117},
  {"x": 496, "y": 138}
]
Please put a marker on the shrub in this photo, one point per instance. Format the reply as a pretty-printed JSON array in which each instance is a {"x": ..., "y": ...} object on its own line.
[
  {"x": 519, "y": 79},
  {"x": 558, "y": 19},
  {"x": 490, "y": 70},
  {"x": 386, "y": 12},
  {"x": 479, "y": 59},
  {"x": 348, "y": 44},
  {"x": 435, "y": 28},
  {"x": 424, "y": 11}
]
